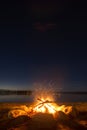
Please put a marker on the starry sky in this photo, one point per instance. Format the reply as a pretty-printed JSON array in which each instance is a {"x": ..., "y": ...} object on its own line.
[{"x": 43, "y": 42}]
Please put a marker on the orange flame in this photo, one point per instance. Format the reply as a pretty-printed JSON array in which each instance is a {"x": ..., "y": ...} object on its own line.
[{"x": 47, "y": 106}]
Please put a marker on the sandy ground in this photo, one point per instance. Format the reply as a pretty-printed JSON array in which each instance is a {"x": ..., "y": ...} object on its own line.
[{"x": 76, "y": 121}]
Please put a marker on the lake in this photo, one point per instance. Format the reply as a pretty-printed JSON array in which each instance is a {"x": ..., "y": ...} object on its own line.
[{"x": 61, "y": 98}]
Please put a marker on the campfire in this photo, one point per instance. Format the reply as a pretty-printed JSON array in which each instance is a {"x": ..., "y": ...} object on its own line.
[
  {"x": 44, "y": 103},
  {"x": 48, "y": 106},
  {"x": 45, "y": 106}
]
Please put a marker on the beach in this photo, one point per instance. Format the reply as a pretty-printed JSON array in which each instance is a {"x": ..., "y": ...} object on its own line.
[{"x": 77, "y": 120}]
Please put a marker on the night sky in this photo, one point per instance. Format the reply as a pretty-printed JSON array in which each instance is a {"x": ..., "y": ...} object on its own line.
[{"x": 43, "y": 42}]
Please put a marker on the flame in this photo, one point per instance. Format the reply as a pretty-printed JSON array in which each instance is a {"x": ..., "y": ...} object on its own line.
[{"x": 47, "y": 106}]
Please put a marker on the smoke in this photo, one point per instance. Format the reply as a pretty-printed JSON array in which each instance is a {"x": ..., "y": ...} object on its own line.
[{"x": 43, "y": 91}]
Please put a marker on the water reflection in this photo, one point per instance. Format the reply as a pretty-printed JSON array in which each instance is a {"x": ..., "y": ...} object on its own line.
[
  {"x": 16, "y": 98},
  {"x": 61, "y": 98}
]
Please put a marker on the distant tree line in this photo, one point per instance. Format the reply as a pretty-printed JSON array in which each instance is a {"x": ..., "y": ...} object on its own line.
[
  {"x": 15, "y": 92},
  {"x": 28, "y": 92}
]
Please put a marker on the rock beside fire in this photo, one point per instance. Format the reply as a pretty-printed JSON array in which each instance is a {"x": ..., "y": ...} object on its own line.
[
  {"x": 61, "y": 116},
  {"x": 14, "y": 123},
  {"x": 65, "y": 122},
  {"x": 74, "y": 113},
  {"x": 19, "y": 121},
  {"x": 42, "y": 121}
]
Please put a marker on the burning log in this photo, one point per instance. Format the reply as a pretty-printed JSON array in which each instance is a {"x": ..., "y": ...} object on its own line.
[{"x": 74, "y": 113}]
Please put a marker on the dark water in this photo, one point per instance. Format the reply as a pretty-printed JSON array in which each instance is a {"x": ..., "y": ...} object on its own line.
[
  {"x": 72, "y": 98},
  {"x": 16, "y": 98},
  {"x": 61, "y": 98}
]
